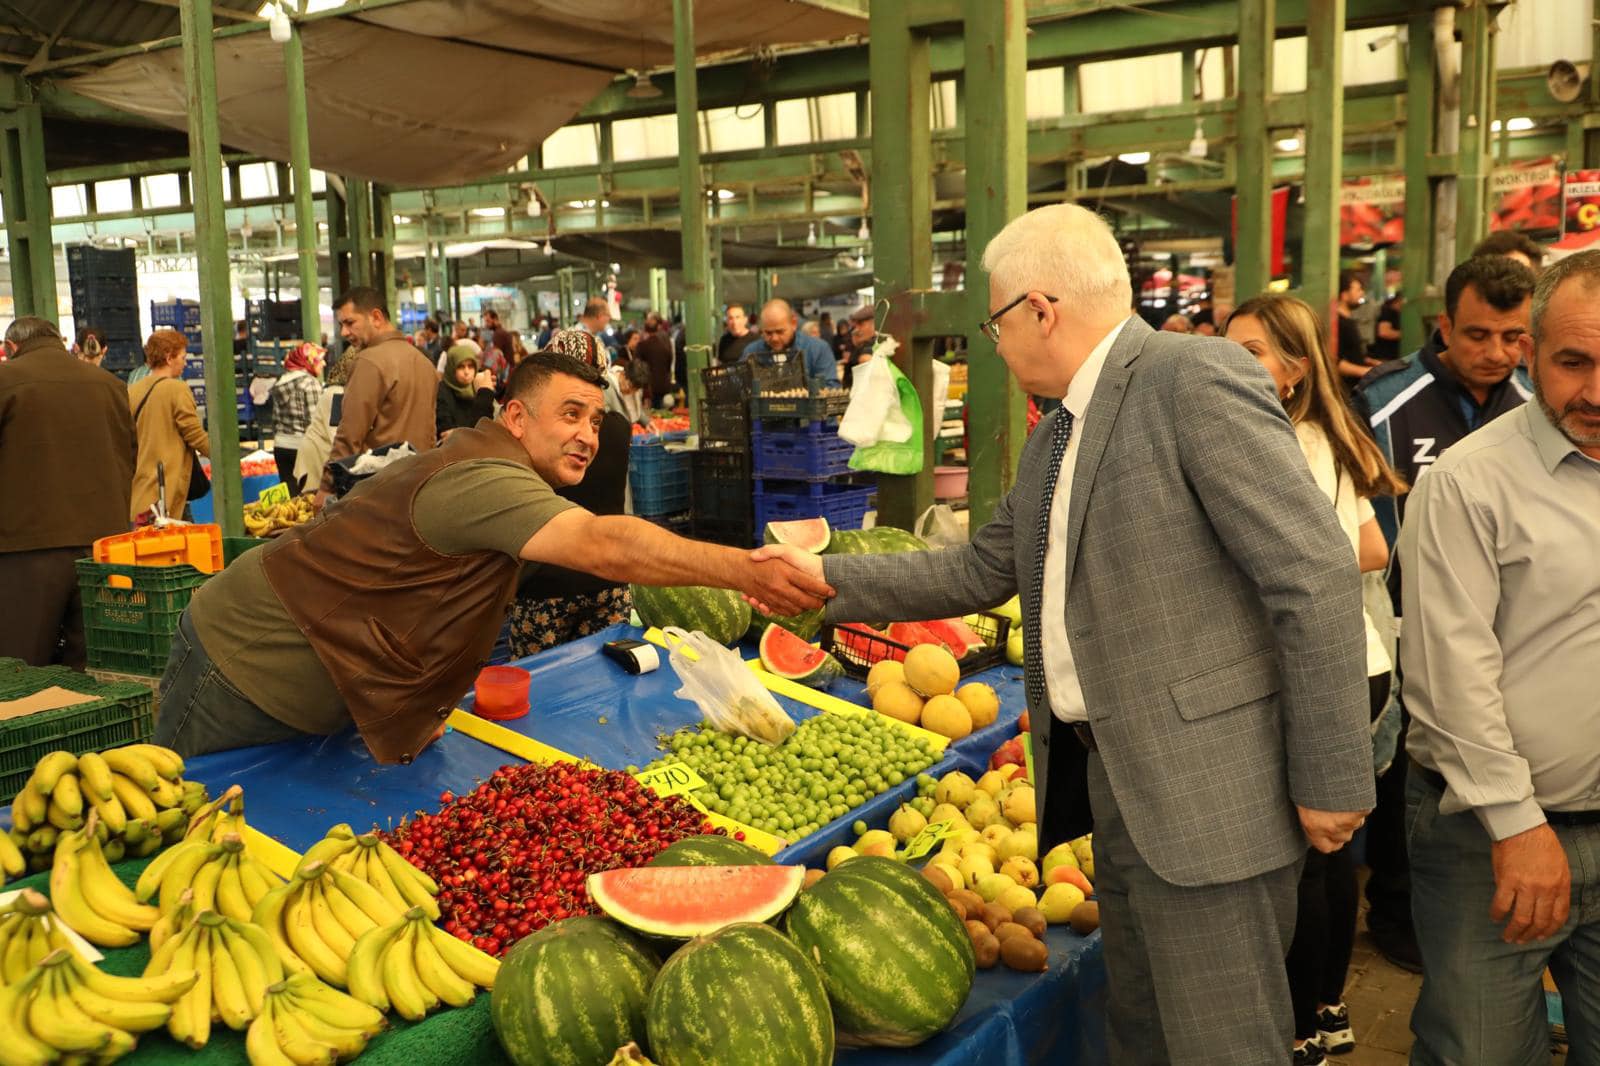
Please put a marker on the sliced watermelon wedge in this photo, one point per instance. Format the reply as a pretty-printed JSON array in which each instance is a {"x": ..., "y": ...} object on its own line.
[
  {"x": 785, "y": 654},
  {"x": 808, "y": 534},
  {"x": 856, "y": 638},
  {"x": 688, "y": 901},
  {"x": 959, "y": 637},
  {"x": 913, "y": 633}
]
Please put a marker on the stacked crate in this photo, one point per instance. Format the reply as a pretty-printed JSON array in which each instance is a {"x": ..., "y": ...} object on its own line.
[
  {"x": 721, "y": 485},
  {"x": 105, "y": 294},
  {"x": 658, "y": 476},
  {"x": 801, "y": 465}
]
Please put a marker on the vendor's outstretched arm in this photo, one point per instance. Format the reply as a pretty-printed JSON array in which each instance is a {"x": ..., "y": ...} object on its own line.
[{"x": 620, "y": 548}]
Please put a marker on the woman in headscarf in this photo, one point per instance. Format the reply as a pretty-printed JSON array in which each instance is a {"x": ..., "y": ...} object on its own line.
[
  {"x": 554, "y": 605},
  {"x": 294, "y": 404},
  {"x": 466, "y": 393}
]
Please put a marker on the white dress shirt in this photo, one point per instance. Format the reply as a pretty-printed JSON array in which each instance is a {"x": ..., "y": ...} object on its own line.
[{"x": 1060, "y": 672}]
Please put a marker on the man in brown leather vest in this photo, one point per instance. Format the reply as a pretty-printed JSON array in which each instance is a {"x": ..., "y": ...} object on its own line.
[{"x": 383, "y": 609}]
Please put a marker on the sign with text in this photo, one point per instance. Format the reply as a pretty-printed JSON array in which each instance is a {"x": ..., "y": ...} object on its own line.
[
  {"x": 274, "y": 494},
  {"x": 1526, "y": 196},
  {"x": 673, "y": 779},
  {"x": 1581, "y": 201},
  {"x": 1372, "y": 210},
  {"x": 931, "y": 836}
]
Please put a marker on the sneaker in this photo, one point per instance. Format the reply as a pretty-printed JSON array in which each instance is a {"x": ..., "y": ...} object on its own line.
[
  {"x": 1333, "y": 1030},
  {"x": 1308, "y": 1054}
]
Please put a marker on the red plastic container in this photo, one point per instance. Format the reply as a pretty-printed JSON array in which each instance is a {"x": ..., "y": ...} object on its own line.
[{"x": 501, "y": 693}]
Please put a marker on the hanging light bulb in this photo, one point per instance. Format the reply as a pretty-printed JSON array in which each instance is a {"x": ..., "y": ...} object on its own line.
[
  {"x": 549, "y": 249},
  {"x": 811, "y": 236},
  {"x": 1198, "y": 146},
  {"x": 534, "y": 208},
  {"x": 861, "y": 261},
  {"x": 278, "y": 26},
  {"x": 864, "y": 233}
]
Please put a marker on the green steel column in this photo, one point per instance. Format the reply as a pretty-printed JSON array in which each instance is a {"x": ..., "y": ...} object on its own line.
[
  {"x": 305, "y": 218},
  {"x": 997, "y": 192},
  {"x": 1417, "y": 268},
  {"x": 902, "y": 248},
  {"x": 764, "y": 288},
  {"x": 691, "y": 205},
  {"x": 1477, "y": 85},
  {"x": 658, "y": 289},
  {"x": 383, "y": 271},
  {"x": 1252, "y": 253},
  {"x": 1319, "y": 269},
  {"x": 26, "y": 196},
  {"x": 211, "y": 252},
  {"x": 359, "y": 208},
  {"x": 430, "y": 271},
  {"x": 564, "y": 287}
]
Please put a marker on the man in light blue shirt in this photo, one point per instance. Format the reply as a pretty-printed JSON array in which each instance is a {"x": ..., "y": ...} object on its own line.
[{"x": 781, "y": 340}]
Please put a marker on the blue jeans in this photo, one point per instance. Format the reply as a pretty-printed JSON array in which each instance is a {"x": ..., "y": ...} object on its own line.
[
  {"x": 1482, "y": 1000},
  {"x": 201, "y": 711}
]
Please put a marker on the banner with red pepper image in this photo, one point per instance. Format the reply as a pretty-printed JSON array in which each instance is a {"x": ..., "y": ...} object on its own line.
[
  {"x": 1372, "y": 210},
  {"x": 1582, "y": 199},
  {"x": 1526, "y": 195}
]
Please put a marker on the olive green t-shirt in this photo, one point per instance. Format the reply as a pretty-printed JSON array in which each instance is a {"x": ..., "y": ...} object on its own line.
[{"x": 473, "y": 506}]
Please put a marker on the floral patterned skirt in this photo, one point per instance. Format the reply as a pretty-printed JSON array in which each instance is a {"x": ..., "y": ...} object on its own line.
[{"x": 540, "y": 624}]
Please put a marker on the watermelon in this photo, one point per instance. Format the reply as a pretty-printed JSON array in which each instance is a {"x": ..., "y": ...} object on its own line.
[
  {"x": 572, "y": 993},
  {"x": 955, "y": 634},
  {"x": 805, "y": 625},
  {"x": 913, "y": 633},
  {"x": 848, "y": 542},
  {"x": 786, "y": 655},
  {"x": 687, "y": 901},
  {"x": 743, "y": 996},
  {"x": 710, "y": 849},
  {"x": 856, "y": 638},
  {"x": 886, "y": 540},
  {"x": 897, "y": 961},
  {"x": 807, "y": 534},
  {"x": 718, "y": 613}
]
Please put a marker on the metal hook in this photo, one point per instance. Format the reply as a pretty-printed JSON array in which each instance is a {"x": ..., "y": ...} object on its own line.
[{"x": 881, "y": 316}]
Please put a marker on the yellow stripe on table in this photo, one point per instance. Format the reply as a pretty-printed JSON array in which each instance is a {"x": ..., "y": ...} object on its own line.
[{"x": 278, "y": 857}]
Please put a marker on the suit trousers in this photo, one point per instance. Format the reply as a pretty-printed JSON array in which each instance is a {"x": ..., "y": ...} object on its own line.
[
  {"x": 43, "y": 621},
  {"x": 1195, "y": 975}
]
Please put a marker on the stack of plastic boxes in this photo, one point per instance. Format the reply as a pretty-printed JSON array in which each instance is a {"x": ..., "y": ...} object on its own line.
[
  {"x": 723, "y": 508},
  {"x": 802, "y": 467},
  {"x": 105, "y": 295}
]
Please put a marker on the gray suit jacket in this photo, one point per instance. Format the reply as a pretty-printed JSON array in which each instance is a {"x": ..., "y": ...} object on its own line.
[{"x": 1213, "y": 608}]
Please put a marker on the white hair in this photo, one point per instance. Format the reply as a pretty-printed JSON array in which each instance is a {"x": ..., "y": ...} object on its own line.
[{"x": 1064, "y": 251}]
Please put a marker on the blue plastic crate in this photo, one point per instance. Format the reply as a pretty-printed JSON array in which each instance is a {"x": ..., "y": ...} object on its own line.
[
  {"x": 183, "y": 315},
  {"x": 843, "y": 505},
  {"x": 267, "y": 362},
  {"x": 811, "y": 453},
  {"x": 199, "y": 390},
  {"x": 659, "y": 479},
  {"x": 194, "y": 367}
]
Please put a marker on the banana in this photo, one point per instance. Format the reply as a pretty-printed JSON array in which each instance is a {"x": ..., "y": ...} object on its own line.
[
  {"x": 417, "y": 887},
  {"x": 207, "y": 878},
  {"x": 191, "y": 1015},
  {"x": 66, "y": 895},
  {"x": 227, "y": 986},
  {"x": 128, "y": 1015},
  {"x": 350, "y": 917},
  {"x": 19, "y": 811},
  {"x": 329, "y": 930},
  {"x": 150, "y": 878},
  {"x": 325, "y": 850},
  {"x": 252, "y": 968},
  {"x": 261, "y": 1040},
  {"x": 50, "y": 769},
  {"x": 472, "y": 964},
  {"x": 407, "y": 995},
  {"x": 166, "y": 794},
  {"x": 61, "y": 818},
  {"x": 436, "y": 975},
  {"x": 111, "y": 812},
  {"x": 15, "y": 960},
  {"x": 12, "y": 861},
  {"x": 183, "y": 874},
  {"x": 134, "y": 766},
  {"x": 174, "y": 938},
  {"x": 269, "y": 917},
  {"x": 308, "y": 946},
  {"x": 172, "y": 822},
  {"x": 194, "y": 796},
  {"x": 146, "y": 847},
  {"x": 96, "y": 776},
  {"x": 256, "y": 879},
  {"x": 333, "y": 1006},
  {"x": 135, "y": 800},
  {"x": 364, "y": 969},
  {"x": 345, "y": 1041},
  {"x": 370, "y": 869},
  {"x": 172, "y": 922},
  {"x": 42, "y": 841},
  {"x": 55, "y": 1019},
  {"x": 231, "y": 898},
  {"x": 166, "y": 987},
  {"x": 168, "y": 763},
  {"x": 34, "y": 806},
  {"x": 369, "y": 899},
  {"x": 20, "y": 1047},
  {"x": 295, "y": 1041},
  {"x": 67, "y": 795},
  {"x": 261, "y": 946},
  {"x": 109, "y": 896}
]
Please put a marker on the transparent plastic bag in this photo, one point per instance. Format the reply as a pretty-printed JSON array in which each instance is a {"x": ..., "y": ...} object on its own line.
[
  {"x": 940, "y": 528},
  {"x": 725, "y": 689}
]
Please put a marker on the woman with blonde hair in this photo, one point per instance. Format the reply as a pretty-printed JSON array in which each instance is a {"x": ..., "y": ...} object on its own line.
[
  {"x": 1285, "y": 335},
  {"x": 167, "y": 423}
]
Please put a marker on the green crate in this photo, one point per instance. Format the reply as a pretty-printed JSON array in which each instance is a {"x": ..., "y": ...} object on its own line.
[{"x": 122, "y": 713}]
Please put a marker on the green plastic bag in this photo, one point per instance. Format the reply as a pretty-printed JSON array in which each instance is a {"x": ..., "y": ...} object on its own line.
[{"x": 895, "y": 457}]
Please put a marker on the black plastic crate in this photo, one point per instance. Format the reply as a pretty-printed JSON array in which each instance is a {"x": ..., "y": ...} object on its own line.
[
  {"x": 858, "y": 648},
  {"x": 722, "y": 490},
  {"x": 274, "y": 320},
  {"x": 735, "y": 532},
  {"x": 725, "y": 422},
  {"x": 119, "y": 323},
  {"x": 800, "y": 408},
  {"x": 726, "y": 384}
]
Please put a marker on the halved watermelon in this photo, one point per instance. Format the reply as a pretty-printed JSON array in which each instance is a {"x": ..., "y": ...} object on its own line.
[
  {"x": 959, "y": 637},
  {"x": 688, "y": 901},
  {"x": 807, "y": 534},
  {"x": 913, "y": 633},
  {"x": 786, "y": 655},
  {"x": 856, "y": 638}
]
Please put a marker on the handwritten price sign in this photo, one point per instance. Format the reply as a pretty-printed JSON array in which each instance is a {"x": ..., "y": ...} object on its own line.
[
  {"x": 274, "y": 494},
  {"x": 931, "y": 837},
  {"x": 674, "y": 779}
]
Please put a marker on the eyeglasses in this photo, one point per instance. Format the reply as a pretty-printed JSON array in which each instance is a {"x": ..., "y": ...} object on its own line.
[{"x": 991, "y": 325}]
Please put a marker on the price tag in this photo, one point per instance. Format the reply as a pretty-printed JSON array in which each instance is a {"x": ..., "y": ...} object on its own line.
[
  {"x": 674, "y": 779},
  {"x": 932, "y": 835},
  {"x": 274, "y": 494}
]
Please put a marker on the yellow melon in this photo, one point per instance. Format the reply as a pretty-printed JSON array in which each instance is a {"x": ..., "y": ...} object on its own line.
[
  {"x": 895, "y": 699},
  {"x": 931, "y": 670},
  {"x": 882, "y": 673},
  {"x": 947, "y": 716},
  {"x": 981, "y": 703}
]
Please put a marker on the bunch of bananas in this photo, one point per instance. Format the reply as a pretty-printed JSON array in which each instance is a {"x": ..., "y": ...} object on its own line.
[
  {"x": 223, "y": 877},
  {"x": 305, "y": 1021},
  {"x": 88, "y": 896},
  {"x": 13, "y": 863},
  {"x": 64, "y": 1007},
  {"x": 27, "y": 935},
  {"x": 368, "y": 858},
  {"x": 212, "y": 821},
  {"x": 138, "y": 792},
  {"x": 412, "y": 966},
  {"x": 315, "y": 919},
  {"x": 263, "y": 518},
  {"x": 236, "y": 963}
]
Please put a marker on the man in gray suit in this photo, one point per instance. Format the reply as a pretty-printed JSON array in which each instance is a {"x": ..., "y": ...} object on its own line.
[{"x": 1195, "y": 658}]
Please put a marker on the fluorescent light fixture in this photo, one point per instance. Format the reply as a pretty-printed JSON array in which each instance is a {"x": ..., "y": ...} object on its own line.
[
  {"x": 1137, "y": 159},
  {"x": 489, "y": 212},
  {"x": 402, "y": 220},
  {"x": 1520, "y": 124},
  {"x": 1289, "y": 144}
]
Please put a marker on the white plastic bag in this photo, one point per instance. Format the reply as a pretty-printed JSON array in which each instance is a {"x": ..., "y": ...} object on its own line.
[
  {"x": 725, "y": 689},
  {"x": 940, "y": 528},
  {"x": 874, "y": 414}
]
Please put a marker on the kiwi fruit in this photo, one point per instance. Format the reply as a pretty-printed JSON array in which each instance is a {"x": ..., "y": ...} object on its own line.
[
  {"x": 1007, "y": 930},
  {"x": 1025, "y": 954},
  {"x": 992, "y": 914},
  {"x": 1085, "y": 917},
  {"x": 987, "y": 949},
  {"x": 1033, "y": 919}
]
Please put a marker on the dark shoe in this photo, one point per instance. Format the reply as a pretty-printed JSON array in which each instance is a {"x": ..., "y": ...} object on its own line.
[
  {"x": 1308, "y": 1054},
  {"x": 1398, "y": 944},
  {"x": 1333, "y": 1030}
]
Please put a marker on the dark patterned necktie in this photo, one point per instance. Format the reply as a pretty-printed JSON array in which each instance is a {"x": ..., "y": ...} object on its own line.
[{"x": 1032, "y": 653}]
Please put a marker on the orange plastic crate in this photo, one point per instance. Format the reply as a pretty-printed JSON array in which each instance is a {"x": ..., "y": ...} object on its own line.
[{"x": 199, "y": 546}]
